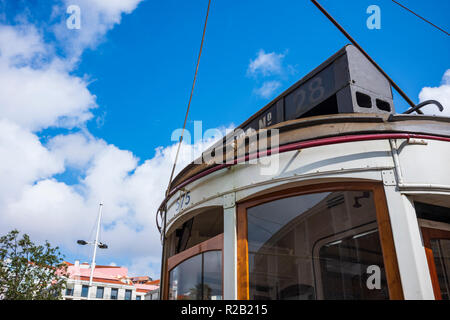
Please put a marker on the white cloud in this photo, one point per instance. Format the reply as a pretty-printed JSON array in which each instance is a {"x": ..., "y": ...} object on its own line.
[
  {"x": 75, "y": 150},
  {"x": 139, "y": 267},
  {"x": 36, "y": 89},
  {"x": 266, "y": 64},
  {"x": 41, "y": 98},
  {"x": 27, "y": 43},
  {"x": 441, "y": 94},
  {"x": 23, "y": 160},
  {"x": 97, "y": 18},
  {"x": 268, "y": 89}
]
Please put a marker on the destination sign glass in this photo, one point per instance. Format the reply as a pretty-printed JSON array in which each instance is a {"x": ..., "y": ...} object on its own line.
[{"x": 310, "y": 93}]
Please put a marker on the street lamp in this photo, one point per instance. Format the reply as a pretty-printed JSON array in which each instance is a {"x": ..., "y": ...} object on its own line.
[
  {"x": 96, "y": 244},
  {"x": 100, "y": 244}
]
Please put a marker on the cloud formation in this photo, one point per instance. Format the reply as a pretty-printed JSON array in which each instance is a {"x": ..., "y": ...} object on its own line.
[
  {"x": 268, "y": 89},
  {"x": 268, "y": 68},
  {"x": 97, "y": 18},
  {"x": 266, "y": 64},
  {"x": 441, "y": 94}
]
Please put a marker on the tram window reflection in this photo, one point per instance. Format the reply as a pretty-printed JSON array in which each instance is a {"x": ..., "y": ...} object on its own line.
[
  {"x": 212, "y": 275},
  {"x": 344, "y": 268},
  {"x": 435, "y": 225},
  {"x": 197, "y": 278},
  {"x": 315, "y": 246},
  {"x": 441, "y": 255},
  {"x": 186, "y": 279},
  {"x": 202, "y": 227}
]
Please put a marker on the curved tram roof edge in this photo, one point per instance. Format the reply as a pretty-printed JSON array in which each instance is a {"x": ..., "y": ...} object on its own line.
[{"x": 317, "y": 131}]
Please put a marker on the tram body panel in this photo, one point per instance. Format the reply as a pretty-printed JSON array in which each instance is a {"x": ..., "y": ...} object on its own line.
[
  {"x": 370, "y": 161},
  {"x": 318, "y": 161},
  {"x": 419, "y": 163}
]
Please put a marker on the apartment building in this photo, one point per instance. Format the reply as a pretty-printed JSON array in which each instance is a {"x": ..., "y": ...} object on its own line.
[{"x": 108, "y": 283}]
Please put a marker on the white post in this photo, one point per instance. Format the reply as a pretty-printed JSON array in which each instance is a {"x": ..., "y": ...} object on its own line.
[
  {"x": 412, "y": 261},
  {"x": 95, "y": 247},
  {"x": 229, "y": 247}
]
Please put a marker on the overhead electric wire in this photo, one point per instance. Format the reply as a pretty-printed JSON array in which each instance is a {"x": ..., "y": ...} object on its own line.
[
  {"x": 190, "y": 98},
  {"x": 181, "y": 140},
  {"x": 421, "y": 17}
]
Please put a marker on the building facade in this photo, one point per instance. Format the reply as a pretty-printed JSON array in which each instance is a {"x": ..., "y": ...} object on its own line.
[{"x": 108, "y": 283}]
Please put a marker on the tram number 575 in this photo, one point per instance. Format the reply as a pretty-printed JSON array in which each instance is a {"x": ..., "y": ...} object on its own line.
[{"x": 183, "y": 200}]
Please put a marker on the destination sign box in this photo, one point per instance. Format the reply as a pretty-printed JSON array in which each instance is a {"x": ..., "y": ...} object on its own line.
[{"x": 345, "y": 83}]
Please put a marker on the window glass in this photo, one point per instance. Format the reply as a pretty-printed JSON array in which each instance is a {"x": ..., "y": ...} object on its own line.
[
  {"x": 432, "y": 212},
  {"x": 114, "y": 293},
  {"x": 138, "y": 297},
  {"x": 212, "y": 275},
  {"x": 344, "y": 264},
  {"x": 315, "y": 246},
  {"x": 198, "y": 229},
  {"x": 186, "y": 280},
  {"x": 128, "y": 294},
  {"x": 69, "y": 291},
  {"x": 441, "y": 254},
  {"x": 84, "y": 291},
  {"x": 435, "y": 222},
  {"x": 197, "y": 278},
  {"x": 100, "y": 291}
]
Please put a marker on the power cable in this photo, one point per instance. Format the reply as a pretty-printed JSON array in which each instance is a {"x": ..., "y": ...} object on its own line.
[
  {"x": 190, "y": 98},
  {"x": 421, "y": 17}
]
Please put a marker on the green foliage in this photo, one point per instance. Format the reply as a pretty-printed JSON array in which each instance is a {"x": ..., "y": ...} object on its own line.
[{"x": 29, "y": 271}]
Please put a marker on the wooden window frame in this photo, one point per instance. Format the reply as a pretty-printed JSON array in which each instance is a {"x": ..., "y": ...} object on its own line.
[
  {"x": 383, "y": 222},
  {"x": 213, "y": 244},
  {"x": 427, "y": 235}
]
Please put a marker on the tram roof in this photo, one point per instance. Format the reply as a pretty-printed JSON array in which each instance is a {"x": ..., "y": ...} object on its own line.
[
  {"x": 337, "y": 112},
  {"x": 328, "y": 126}
]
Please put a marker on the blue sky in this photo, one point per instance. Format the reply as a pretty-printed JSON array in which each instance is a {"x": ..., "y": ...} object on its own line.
[
  {"x": 127, "y": 74},
  {"x": 144, "y": 70}
]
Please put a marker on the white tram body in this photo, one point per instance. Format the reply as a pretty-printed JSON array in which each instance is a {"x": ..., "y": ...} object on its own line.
[{"x": 348, "y": 204}]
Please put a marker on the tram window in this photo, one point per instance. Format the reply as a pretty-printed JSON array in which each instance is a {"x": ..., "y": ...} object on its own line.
[
  {"x": 186, "y": 287},
  {"x": 435, "y": 226},
  {"x": 441, "y": 255},
  {"x": 212, "y": 275},
  {"x": 200, "y": 228},
  {"x": 315, "y": 246},
  {"x": 432, "y": 212},
  {"x": 344, "y": 264},
  {"x": 197, "y": 278}
]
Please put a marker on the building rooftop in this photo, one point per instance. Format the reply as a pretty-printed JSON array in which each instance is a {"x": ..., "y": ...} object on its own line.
[{"x": 110, "y": 274}]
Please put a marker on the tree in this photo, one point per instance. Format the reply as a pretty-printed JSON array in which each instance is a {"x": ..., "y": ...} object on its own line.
[{"x": 29, "y": 271}]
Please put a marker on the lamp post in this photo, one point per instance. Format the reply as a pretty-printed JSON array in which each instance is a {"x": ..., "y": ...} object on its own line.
[{"x": 96, "y": 244}]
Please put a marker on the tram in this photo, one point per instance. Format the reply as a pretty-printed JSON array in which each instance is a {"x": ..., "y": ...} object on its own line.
[{"x": 325, "y": 193}]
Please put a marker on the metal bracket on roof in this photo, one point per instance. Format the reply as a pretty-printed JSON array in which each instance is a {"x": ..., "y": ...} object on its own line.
[
  {"x": 388, "y": 177},
  {"x": 417, "y": 141}
]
